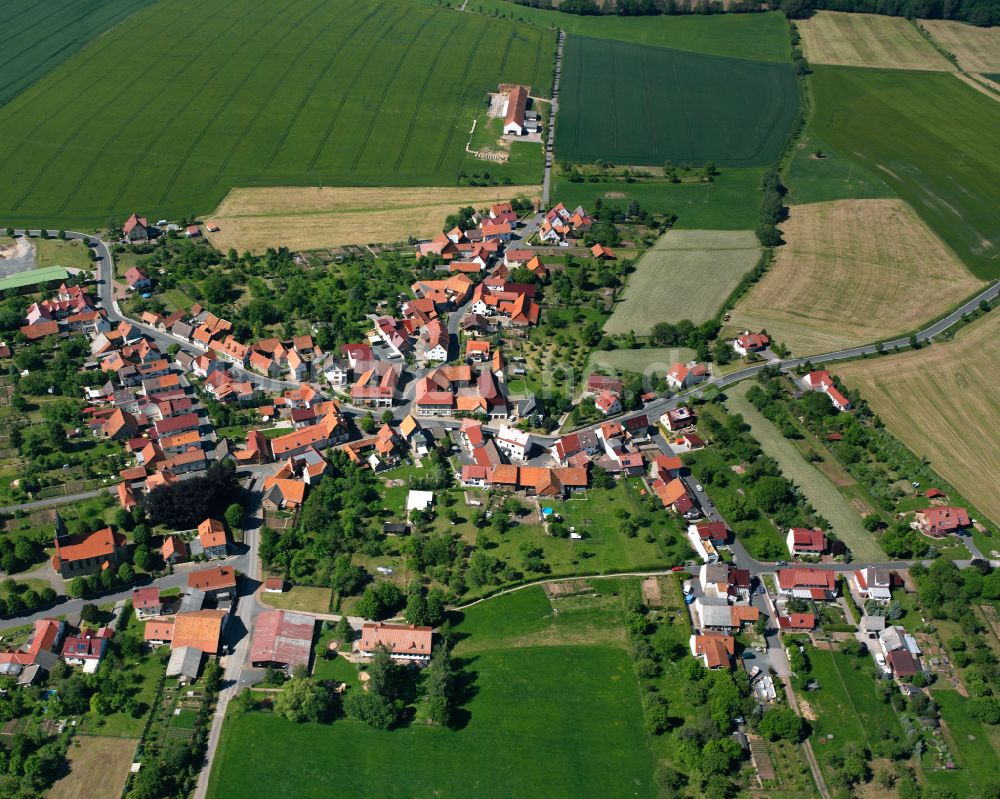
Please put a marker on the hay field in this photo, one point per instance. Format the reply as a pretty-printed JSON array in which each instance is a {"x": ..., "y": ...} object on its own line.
[
  {"x": 977, "y": 49},
  {"x": 852, "y": 272},
  {"x": 634, "y": 104},
  {"x": 312, "y": 218},
  {"x": 97, "y": 768},
  {"x": 933, "y": 140},
  {"x": 687, "y": 274},
  {"x": 867, "y": 40},
  {"x": 943, "y": 402},
  {"x": 657, "y": 359},
  {"x": 260, "y": 93}
]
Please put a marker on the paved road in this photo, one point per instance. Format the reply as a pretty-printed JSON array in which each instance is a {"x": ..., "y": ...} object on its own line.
[{"x": 36, "y": 504}]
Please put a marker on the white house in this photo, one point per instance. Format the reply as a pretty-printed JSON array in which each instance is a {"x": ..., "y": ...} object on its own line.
[
  {"x": 750, "y": 342},
  {"x": 514, "y": 443},
  {"x": 684, "y": 375},
  {"x": 872, "y": 583}
]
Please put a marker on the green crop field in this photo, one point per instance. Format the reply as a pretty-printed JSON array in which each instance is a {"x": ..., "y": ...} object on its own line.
[
  {"x": 39, "y": 36},
  {"x": 542, "y": 713},
  {"x": 687, "y": 274},
  {"x": 730, "y": 202},
  {"x": 932, "y": 139},
  {"x": 760, "y": 37},
  {"x": 635, "y": 104},
  {"x": 288, "y": 92}
]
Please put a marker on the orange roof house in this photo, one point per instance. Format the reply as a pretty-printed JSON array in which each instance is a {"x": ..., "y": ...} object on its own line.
[
  {"x": 404, "y": 642},
  {"x": 200, "y": 629},
  {"x": 715, "y": 649},
  {"x": 219, "y": 579}
]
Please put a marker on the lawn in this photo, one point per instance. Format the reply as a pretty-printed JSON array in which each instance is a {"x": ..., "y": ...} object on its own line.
[
  {"x": 539, "y": 716},
  {"x": 868, "y": 40},
  {"x": 291, "y": 92},
  {"x": 977, "y": 49},
  {"x": 970, "y": 745},
  {"x": 656, "y": 359},
  {"x": 688, "y": 274},
  {"x": 729, "y": 202},
  {"x": 71, "y": 254},
  {"x": 300, "y": 597},
  {"x": 635, "y": 104},
  {"x": 40, "y": 36},
  {"x": 943, "y": 402},
  {"x": 934, "y": 140},
  {"x": 853, "y": 272},
  {"x": 821, "y": 493},
  {"x": 761, "y": 37},
  {"x": 98, "y": 768},
  {"x": 846, "y": 705},
  {"x": 311, "y": 218}
]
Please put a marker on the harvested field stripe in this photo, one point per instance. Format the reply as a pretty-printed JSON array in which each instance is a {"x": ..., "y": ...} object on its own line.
[
  {"x": 461, "y": 99},
  {"x": 127, "y": 124},
  {"x": 385, "y": 92},
  {"x": 343, "y": 98},
  {"x": 420, "y": 98},
  {"x": 56, "y": 153},
  {"x": 312, "y": 87}
]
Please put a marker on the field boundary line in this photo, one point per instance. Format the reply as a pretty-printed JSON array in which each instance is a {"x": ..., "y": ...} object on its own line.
[
  {"x": 193, "y": 96},
  {"x": 420, "y": 98},
  {"x": 205, "y": 128},
  {"x": 385, "y": 92},
  {"x": 67, "y": 196},
  {"x": 58, "y": 108},
  {"x": 506, "y": 51},
  {"x": 347, "y": 93},
  {"x": 460, "y": 103},
  {"x": 312, "y": 87}
]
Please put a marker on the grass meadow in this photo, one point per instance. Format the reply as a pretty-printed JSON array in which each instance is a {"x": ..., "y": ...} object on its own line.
[
  {"x": 729, "y": 202},
  {"x": 40, "y": 36},
  {"x": 635, "y": 104},
  {"x": 817, "y": 488},
  {"x": 291, "y": 92},
  {"x": 851, "y": 272},
  {"x": 943, "y": 402},
  {"x": 539, "y": 712},
  {"x": 687, "y": 274},
  {"x": 971, "y": 745},
  {"x": 935, "y": 142},
  {"x": 812, "y": 179},
  {"x": 759, "y": 37}
]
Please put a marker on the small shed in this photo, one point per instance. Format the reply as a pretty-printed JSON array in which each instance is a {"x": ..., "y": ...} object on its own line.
[
  {"x": 185, "y": 661},
  {"x": 274, "y": 585}
]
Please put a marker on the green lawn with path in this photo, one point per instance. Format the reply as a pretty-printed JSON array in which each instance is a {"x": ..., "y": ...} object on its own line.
[
  {"x": 541, "y": 712},
  {"x": 814, "y": 485}
]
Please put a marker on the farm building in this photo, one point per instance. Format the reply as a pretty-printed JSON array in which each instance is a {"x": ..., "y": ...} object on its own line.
[
  {"x": 405, "y": 642},
  {"x": 514, "y": 123},
  {"x": 282, "y": 639}
]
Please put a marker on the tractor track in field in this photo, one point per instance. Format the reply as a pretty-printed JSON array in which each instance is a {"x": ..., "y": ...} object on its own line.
[
  {"x": 614, "y": 110},
  {"x": 579, "y": 102},
  {"x": 68, "y": 196},
  {"x": 461, "y": 100},
  {"x": 538, "y": 56},
  {"x": 204, "y": 131},
  {"x": 343, "y": 99},
  {"x": 139, "y": 158},
  {"x": 312, "y": 88},
  {"x": 649, "y": 101},
  {"x": 420, "y": 98},
  {"x": 82, "y": 124},
  {"x": 385, "y": 92},
  {"x": 506, "y": 50},
  {"x": 32, "y": 8},
  {"x": 58, "y": 108}
]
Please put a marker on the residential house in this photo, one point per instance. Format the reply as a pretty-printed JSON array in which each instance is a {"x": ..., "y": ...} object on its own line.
[
  {"x": 872, "y": 583},
  {"x": 749, "y": 342},
  {"x": 797, "y": 621},
  {"x": 174, "y": 550},
  {"x": 940, "y": 521},
  {"x": 607, "y": 403},
  {"x": 514, "y": 443},
  {"x": 803, "y": 541},
  {"x": 212, "y": 537},
  {"x": 88, "y": 553},
  {"x": 405, "y": 643},
  {"x": 146, "y": 602},
  {"x": 683, "y": 376},
  {"x": 218, "y": 581},
  {"x": 199, "y": 629},
  {"x": 138, "y": 229},
  {"x": 86, "y": 649},
  {"x": 806, "y": 583},
  {"x": 137, "y": 279},
  {"x": 714, "y": 649}
]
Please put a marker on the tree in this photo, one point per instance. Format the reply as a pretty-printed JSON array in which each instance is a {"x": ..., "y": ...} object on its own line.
[
  {"x": 303, "y": 700},
  {"x": 142, "y": 558},
  {"x": 77, "y": 587},
  {"x": 126, "y": 574},
  {"x": 657, "y": 714},
  {"x": 985, "y": 708},
  {"x": 781, "y": 723},
  {"x": 344, "y": 631},
  {"x": 440, "y": 687},
  {"x": 90, "y": 613},
  {"x": 416, "y": 609},
  {"x": 234, "y": 516},
  {"x": 367, "y": 423},
  {"x": 372, "y": 709}
]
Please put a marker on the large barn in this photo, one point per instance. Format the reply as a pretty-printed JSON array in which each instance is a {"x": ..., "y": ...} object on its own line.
[{"x": 282, "y": 640}]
